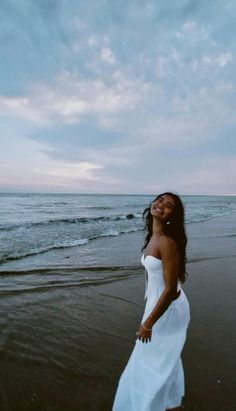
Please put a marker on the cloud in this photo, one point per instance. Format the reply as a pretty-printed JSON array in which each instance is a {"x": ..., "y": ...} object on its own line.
[
  {"x": 4, "y": 165},
  {"x": 83, "y": 80},
  {"x": 215, "y": 175},
  {"x": 189, "y": 26},
  {"x": 81, "y": 171},
  {"x": 73, "y": 176},
  {"x": 220, "y": 60},
  {"x": 70, "y": 97},
  {"x": 107, "y": 55}
]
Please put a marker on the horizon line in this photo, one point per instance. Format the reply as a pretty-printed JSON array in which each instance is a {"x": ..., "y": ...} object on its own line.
[{"x": 138, "y": 194}]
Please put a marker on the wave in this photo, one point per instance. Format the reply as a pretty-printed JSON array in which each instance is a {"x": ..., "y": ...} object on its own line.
[
  {"x": 216, "y": 257},
  {"x": 42, "y": 250},
  {"x": 64, "y": 244},
  {"x": 71, "y": 220},
  {"x": 65, "y": 270},
  {"x": 68, "y": 283},
  {"x": 202, "y": 236},
  {"x": 107, "y": 218},
  {"x": 99, "y": 207},
  {"x": 206, "y": 217}
]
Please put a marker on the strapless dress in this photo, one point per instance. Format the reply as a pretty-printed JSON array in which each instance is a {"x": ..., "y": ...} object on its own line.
[{"x": 153, "y": 378}]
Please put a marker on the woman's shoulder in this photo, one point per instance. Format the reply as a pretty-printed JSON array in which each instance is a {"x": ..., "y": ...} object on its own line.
[{"x": 168, "y": 244}]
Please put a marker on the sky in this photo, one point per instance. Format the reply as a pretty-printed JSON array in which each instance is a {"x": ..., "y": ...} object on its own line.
[{"x": 122, "y": 96}]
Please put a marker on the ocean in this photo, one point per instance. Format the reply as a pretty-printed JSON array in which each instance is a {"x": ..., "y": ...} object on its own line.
[
  {"x": 37, "y": 224},
  {"x": 50, "y": 240}
]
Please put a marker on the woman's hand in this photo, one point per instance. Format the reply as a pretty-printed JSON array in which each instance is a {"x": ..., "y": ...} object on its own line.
[{"x": 143, "y": 334}]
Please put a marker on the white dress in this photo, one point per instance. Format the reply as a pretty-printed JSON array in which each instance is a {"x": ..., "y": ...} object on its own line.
[{"x": 153, "y": 379}]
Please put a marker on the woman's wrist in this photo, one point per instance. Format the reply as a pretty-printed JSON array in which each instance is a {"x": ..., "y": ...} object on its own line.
[
  {"x": 148, "y": 323},
  {"x": 146, "y": 329}
]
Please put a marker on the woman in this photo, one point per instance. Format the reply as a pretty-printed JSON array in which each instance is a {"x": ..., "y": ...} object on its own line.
[{"x": 153, "y": 379}]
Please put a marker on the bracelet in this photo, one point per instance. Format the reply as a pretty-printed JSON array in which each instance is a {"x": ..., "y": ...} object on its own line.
[{"x": 147, "y": 329}]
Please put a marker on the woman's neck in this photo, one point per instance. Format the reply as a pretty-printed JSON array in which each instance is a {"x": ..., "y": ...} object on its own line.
[{"x": 157, "y": 228}]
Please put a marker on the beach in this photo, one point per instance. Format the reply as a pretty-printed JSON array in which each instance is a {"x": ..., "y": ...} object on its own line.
[{"x": 64, "y": 345}]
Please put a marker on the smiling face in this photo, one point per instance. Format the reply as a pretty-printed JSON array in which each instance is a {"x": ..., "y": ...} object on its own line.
[{"x": 163, "y": 208}]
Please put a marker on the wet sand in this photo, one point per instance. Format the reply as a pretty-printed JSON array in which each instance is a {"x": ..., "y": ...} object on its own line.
[{"x": 67, "y": 351}]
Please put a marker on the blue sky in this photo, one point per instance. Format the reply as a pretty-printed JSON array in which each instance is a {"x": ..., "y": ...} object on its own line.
[{"x": 118, "y": 96}]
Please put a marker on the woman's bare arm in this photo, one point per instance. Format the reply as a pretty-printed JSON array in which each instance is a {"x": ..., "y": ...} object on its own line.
[{"x": 170, "y": 261}]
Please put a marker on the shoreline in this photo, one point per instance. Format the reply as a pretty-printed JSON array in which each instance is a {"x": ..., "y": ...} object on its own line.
[{"x": 126, "y": 248}]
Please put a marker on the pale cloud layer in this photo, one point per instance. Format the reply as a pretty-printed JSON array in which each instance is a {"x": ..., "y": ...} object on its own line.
[{"x": 116, "y": 97}]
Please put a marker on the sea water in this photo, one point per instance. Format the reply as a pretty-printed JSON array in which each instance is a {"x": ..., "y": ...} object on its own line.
[{"x": 51, "y": 239}]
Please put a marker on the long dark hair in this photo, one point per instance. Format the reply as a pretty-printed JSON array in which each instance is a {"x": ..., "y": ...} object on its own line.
[{"x": 175, "y": 229}]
